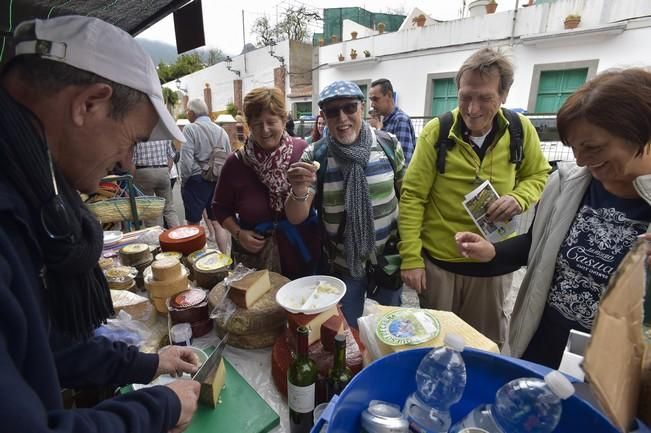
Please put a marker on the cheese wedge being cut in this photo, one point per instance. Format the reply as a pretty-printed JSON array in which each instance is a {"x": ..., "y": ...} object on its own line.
[
  {"x": 249, "y": 289},
  {"x": 312, "y": 321},
  {"x": 212, "y": 386},
  {"x": 329, "y": 330}
]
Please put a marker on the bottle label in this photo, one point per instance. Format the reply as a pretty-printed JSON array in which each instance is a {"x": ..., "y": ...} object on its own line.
[{"x": 300, "y": 398}]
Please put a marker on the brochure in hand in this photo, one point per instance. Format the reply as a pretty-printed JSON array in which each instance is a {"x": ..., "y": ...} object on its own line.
[{"x": 477, "y": 203}]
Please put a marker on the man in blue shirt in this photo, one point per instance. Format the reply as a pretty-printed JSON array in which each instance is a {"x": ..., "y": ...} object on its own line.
[{"x": 395, "y": 120}]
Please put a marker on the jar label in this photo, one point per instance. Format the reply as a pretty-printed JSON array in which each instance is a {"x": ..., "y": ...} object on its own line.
[
  {"x": 300, "y": 398},
  {"x": 183, "y": 232}
]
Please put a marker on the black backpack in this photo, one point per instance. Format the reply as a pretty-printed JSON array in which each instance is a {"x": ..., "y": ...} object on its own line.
[{"x": 444, "y": 143}]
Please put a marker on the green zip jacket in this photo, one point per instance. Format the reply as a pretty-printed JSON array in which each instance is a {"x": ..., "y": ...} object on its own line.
[{"x": 431, "y": 209}]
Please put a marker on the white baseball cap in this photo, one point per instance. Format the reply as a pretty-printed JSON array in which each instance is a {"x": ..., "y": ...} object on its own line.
[{"x": 95, "y": 46}]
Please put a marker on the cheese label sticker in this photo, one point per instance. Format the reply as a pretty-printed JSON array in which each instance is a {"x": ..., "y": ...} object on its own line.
[
  {"x": 190, "y": 298},
  {"x": 212, "y": 262},
  {"x": 408, "y": 326},
  {"x": 183, "y": 232},
  {"x": 135, "y": 248}
]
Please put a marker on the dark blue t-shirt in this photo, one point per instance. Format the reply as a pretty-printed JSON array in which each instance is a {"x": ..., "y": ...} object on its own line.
[{"x": 603, "y": 231}]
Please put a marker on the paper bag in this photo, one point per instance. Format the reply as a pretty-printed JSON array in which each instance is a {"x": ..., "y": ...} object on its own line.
[{"x": 613, "y": 360}]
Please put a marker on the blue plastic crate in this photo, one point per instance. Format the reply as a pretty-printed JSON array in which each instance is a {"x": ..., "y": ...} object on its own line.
[{"x": 393, "y": 378}]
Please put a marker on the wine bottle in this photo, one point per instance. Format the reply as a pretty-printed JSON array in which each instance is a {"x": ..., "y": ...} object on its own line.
[
  {"x": 301, "y": 381},
  {"x": 339, "y": 375}
]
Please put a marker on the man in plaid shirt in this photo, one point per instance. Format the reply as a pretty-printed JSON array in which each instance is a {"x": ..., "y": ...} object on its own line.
[
  {"x": 395, "y": 120},
  {"x": 152, "y": 161}
]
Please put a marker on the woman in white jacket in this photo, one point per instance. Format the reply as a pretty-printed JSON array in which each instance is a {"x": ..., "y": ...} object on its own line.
[{"x": 588, "y": 217}]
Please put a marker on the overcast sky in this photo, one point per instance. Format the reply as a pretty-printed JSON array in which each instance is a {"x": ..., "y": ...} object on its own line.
[{"x": 223, "y": 19}]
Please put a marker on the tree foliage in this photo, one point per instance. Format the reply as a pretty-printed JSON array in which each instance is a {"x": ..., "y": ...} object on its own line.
[
  {"x": 185, "y": 64},
  {"x": 295, "y": 26},
  {"x": 214, "y": 56}
]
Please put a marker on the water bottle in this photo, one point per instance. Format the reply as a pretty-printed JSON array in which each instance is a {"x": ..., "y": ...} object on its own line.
[
  {"x": 440, "y": 380},
  {"x": 526, "y": 405}
]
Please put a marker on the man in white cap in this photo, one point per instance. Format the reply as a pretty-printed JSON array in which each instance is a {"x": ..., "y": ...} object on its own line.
[
  {"x": 74, "y": 100},
  {"x": 360, "y": 171}
]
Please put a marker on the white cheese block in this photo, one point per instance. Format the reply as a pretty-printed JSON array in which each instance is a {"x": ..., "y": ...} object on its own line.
[{"x": 245, "y": 292}]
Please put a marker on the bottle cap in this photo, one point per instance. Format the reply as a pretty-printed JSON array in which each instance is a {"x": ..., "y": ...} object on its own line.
[
  {"x": 559, "y": 384},
  {"x": 454, "y": 341}
]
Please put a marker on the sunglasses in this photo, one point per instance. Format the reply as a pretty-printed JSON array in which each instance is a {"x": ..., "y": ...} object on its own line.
[
  {"x": 55, "y": 217},
  {"x": 349, "y": 108}
]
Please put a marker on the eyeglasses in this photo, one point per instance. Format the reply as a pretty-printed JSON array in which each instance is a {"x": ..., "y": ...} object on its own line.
[
  {"x": 55, "y": 217},
  {"x": 349, "y": 108}
]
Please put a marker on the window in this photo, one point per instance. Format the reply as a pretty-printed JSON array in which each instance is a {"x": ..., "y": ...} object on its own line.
[
  {"x": 555, "y": 87},
  {"x": 444, "y": 95},
  {"x": 302, "y": 109}
]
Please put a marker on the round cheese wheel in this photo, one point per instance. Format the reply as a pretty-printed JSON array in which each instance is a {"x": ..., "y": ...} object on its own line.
[
  {"x": 263, "y": 316},
  {"x": 251, "y": 341},
  {"x": 166, "y": 269},
  {"x": 183, "y": 239},
  {"x": 167, "y": 288},
  {"x": 134, "y": 254}
]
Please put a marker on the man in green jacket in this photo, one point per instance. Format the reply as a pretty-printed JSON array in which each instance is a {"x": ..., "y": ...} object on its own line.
[{"x": 431, "y": 209}]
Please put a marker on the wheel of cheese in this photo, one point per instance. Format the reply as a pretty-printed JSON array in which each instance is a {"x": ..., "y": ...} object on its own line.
[
  {"x": 263, "y": 316},
  {"x": 251, "y": 341},
  {"x": 169, "y": 254},
  {"x": 183, "y": 239},
  {"x": 159, "y": 291},
  {"x": 134, "y": 254},
  {"x": 210, "y": 269},
  {"x": 166, "y": 269}
]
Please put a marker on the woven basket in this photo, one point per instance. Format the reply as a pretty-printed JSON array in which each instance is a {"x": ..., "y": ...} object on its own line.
[{"x": 119, "y": 208}]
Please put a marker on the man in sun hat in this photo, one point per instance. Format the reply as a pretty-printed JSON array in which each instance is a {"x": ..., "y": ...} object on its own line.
[
  {"x": 359, "y": 174},
  {"x": 74, "y": 100}
]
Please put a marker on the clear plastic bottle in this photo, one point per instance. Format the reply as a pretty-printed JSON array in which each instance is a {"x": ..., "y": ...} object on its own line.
[
  {"x": 440, "y": 380},
  {"x": 526, "y": 405}
]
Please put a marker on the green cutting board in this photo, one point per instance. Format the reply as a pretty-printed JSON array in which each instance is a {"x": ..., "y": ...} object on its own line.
[{"x": 241, "y": 410}]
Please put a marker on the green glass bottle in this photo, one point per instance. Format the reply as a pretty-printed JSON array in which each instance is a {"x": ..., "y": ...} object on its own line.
[
  {"x": 339, "y": 375},
  {"x": 301, "y": 386}
]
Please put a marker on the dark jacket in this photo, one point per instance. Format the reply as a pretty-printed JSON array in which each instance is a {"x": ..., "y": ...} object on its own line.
[{"x": 31, "y": 374}]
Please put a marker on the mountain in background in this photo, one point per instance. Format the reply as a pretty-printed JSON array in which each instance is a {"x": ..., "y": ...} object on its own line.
[{"x": 159, "y": 51}]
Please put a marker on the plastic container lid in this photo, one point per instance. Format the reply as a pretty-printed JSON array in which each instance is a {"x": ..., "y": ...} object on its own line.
[
  {"x": 181, "y": 333},
  {"x": 559, "y": 384},
  {"x": 454, "y": 341}
]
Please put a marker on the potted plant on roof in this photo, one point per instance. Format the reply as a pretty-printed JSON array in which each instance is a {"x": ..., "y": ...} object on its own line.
[
  {"x": 380, "y": 27},
  {"x": 341, "y": 57},
  {"x": 419, "y": 20},
  {"x": 572, "y": 21},
  {"x": 491, "y": 6},
  {"x": 367, "y": 53},
  {"x": 353, "y": 54},
  {"x": 353, "y": 35}
]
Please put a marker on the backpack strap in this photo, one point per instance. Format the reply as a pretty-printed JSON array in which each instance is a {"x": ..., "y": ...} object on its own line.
[
  {"x": 387, "y": 144},
  {"x": 443, "y": 143},
  {"x": 515, "y": 131}
]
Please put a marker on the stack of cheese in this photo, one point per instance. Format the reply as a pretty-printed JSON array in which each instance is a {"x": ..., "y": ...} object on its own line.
[
  {"x": 323, "y": 328},
  {"x": 258, "y": 319},
  {"x": 139, "y": 256},
  {"x": 166, "y": 279}
]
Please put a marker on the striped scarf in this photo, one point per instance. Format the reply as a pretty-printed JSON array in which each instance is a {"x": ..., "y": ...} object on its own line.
[{"x": 359, "y": 234}]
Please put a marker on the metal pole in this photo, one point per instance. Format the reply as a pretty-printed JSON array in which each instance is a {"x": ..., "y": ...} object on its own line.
[
  {"x": 244, "y": 40},
  {"x": 515, "y": 15}
]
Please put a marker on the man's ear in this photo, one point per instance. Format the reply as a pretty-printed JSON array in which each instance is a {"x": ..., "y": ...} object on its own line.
[{"x": 91, "y": 100}]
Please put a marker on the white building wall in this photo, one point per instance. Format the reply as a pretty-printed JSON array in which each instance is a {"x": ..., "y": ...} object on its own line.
[
  {"x": 259, "y": 71},
  {"x": 610, "y": 32}
]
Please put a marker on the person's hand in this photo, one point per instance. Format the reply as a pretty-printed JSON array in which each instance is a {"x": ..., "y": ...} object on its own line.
[
  {"x": 176, "y": 360},
  {"x": 188, "y": 393},
  {"x": 251, "y": 241},
  {"x": 414, "y": 278},
  {"x": 301, "y": 175},
  {"x": 474, "y": 246},
  {"x": 647, "y": 237},
  {"x": 503, "y": 209}
]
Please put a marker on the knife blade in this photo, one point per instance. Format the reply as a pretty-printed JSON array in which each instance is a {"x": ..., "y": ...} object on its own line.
[{"x": 211, "y": 362}]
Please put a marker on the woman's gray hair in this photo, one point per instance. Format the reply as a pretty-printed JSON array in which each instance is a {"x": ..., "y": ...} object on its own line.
[
  {"x": 198, "y": 107},
  {"x": 486, "y": 61}
]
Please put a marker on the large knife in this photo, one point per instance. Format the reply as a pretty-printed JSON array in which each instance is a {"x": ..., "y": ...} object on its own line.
[{"x": 212, "y": 361}]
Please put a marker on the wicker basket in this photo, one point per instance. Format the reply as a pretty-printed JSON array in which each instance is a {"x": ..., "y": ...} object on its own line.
[{"x": 119, "y": 208}]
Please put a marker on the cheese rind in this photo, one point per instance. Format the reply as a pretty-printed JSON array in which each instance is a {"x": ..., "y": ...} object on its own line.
[
  {"x": 312, "y": 321},
  {"x": 245, "y": 292},
  {"x": 212, "y": 386}
]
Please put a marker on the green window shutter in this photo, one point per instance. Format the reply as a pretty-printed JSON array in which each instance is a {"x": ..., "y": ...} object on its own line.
[
  {"x": 302, "y": 109},
  {"x": 555, "y": 87},
  {"x": 444, "y": 96}
]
